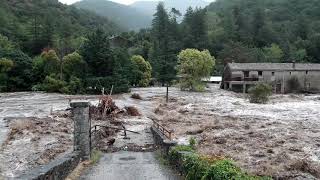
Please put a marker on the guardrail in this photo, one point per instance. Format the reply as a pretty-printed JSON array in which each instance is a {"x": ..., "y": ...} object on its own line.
[{"x": 162, "y": 129}]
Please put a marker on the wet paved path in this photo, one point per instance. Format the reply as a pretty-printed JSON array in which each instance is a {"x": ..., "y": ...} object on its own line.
[
  {"x": 130, "y": 166},
  {"x": 127, "y": 165}
]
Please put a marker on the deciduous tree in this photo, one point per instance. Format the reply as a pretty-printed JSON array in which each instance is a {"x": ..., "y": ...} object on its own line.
[{"x": 193, "y": 65}]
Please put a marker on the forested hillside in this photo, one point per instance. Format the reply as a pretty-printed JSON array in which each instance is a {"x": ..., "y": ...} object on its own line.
[
  {"x": 36, "y": 24},
  {"x": 265, "y": 30},
  {"x": 40, "y": 42},
  {"x": 125, "y": 16}
]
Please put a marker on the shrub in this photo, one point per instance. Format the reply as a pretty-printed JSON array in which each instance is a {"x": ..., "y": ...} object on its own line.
[
  {"x": 206, "y": 168},
  {"x": 260, "y": 93},
  {"x": 75, "y": 86},
  {"x": 194, "y": 167},
  {"x": 95, "y": 156},
  {"x": 293, "y": 84},
  {"x": 192, "y": 142},
  {"x": 222, "y": 169},
  {"x": 51, "y": 84},
  {"x": 174, "y": 152}
]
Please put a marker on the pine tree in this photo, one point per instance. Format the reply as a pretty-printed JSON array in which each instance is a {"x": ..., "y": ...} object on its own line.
[{"x": 163, "y": 58}]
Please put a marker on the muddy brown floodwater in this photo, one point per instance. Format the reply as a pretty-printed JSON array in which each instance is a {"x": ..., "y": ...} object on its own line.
[
  {"x": 279, "y": 139},
  {"x": 30, "y": 135}
]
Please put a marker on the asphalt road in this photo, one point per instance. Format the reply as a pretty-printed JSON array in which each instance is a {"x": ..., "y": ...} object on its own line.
[{"x": 125, "y": 165}]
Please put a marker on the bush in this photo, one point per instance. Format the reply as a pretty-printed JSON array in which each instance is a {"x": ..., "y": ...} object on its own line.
[
  {"x": 75, "y": 86},
  {"x": 192, "y": 142},
  {"x": 293, "y": 84},
  {"x": 51, "y": 84},
  {"x": 260, "y": 93},
  {"x": 206, "y": 168},
  {"x": 174, "y": 152},
  {"x": 223, "y": 169}
]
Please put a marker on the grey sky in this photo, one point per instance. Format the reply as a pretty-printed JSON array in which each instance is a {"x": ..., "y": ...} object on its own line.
[{"x": 118, "y": 1}]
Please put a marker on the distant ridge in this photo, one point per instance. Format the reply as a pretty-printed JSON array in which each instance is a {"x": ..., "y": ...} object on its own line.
[{"x": 125, "y": 16}]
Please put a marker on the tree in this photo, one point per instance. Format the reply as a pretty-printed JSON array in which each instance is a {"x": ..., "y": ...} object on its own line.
[
  {"x": 141, "y": 71},
  {"x": 193, "y": 65},
  {"x": 5, "y": 66},
  {"x": 5, "y": 44},
  {"x": 20, "y": 75},
  {"x": 74, "y": 66},
  {"x": 97, "y": 53},
  {"x": 195, "y": 29},
  {"x": 51, "y": 62},
  {"x": 163, "y": 59},
  {"x": 273, "y": 53}
]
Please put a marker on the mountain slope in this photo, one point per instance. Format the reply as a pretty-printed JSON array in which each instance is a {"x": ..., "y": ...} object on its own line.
[
  {"x": 126, "y": 16},
  {"x": 290, "y": 26},
  {"x": 42, "y": 23},
  {"x": 149, "y": 7}
]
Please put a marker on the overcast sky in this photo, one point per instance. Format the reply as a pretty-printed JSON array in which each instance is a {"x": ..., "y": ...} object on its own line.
[{"x": 118, "y": 1}]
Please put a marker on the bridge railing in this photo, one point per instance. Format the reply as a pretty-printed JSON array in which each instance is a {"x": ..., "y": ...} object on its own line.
[{"x": 166, "y": 132}]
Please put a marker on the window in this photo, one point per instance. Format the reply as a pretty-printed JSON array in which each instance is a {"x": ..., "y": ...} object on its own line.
[
  {"x": 260, "y": 73},
  {"x": 246, "y": 73},
  {"x": 272, "y": 73},
  {"x": 307, "y": 72}
]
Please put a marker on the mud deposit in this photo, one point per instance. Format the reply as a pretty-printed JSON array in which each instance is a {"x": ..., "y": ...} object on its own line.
[{"x": 279, "y": 139}]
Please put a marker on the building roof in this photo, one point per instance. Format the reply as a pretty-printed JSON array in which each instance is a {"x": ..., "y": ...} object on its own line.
[
  {"x": 212, "y": 79},
  {"x": 274, "y": 66}
]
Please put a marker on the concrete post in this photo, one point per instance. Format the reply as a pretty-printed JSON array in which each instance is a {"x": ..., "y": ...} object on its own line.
[
  {"x": 283, "y": 84},
  {"x": 244, "y": 88},
  {"x": 82, "y": 128}
]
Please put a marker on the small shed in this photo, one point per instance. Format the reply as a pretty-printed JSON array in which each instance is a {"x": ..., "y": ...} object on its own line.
[{"x": 213, "y": 79}]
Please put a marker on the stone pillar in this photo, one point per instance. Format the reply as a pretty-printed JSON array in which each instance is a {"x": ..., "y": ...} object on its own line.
[
  {"x": 82, "y": 128},
  {"x": 283, "y": 84},
  {"x": 244, "y": 88}
]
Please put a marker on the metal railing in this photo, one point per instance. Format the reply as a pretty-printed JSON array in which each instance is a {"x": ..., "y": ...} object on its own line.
[{"x": 162, "y": 129}]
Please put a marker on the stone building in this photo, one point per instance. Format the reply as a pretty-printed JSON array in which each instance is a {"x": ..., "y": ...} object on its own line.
[{"x": 282, "y": 76}]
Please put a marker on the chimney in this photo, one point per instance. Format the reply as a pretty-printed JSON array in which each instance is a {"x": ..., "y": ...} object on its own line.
[{"x": 293, "y": 64}]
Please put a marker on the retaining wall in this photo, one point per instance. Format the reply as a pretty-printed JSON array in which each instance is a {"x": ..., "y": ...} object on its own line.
[{"x": 58, "y": 169}]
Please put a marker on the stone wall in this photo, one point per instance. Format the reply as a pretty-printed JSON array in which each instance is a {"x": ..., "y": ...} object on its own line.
[{"x": 55, "y": 170}]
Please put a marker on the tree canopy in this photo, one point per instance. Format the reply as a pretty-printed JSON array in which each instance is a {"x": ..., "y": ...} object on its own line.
[{"x": 193, "y": 65}]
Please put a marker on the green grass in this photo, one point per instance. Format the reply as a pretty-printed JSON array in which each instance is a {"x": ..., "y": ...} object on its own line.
[{"x": 95, "y": 156}]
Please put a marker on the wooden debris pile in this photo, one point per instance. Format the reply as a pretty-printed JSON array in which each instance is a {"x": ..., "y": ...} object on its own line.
[
  {"x": 136, "y": 96},
  {"x": 106, "y": 108},
  {"x": 132, "y": 111}
]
